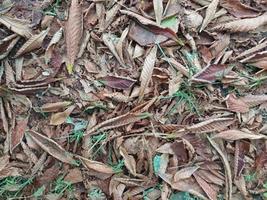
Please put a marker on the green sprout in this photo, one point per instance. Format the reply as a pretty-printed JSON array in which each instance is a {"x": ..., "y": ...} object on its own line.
[
  {"x": 96, "y": 194},
  {"x": 61, "y": 186}
]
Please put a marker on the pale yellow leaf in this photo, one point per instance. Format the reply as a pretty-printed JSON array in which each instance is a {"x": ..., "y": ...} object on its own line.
[{"x": 147, "y": 71}]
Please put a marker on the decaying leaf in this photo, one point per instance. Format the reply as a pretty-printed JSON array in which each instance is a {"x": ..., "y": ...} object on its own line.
[
  {"x": 51, "y": 147},
  {"x": 185, "y": 173},
  {"x": 34, "y": 42},
  {"x": 236, "y": 105},
  {"x": 129, "y": 161},
  {"x": 147, "y": 71},
  {"x": 17, "y": 133},
  {"x": 74, "y": 31},
  {"x": 97, "y": 166},
  {"x": 54, "y": 107}
]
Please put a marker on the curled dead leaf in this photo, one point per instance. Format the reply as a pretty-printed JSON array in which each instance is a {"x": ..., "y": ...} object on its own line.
[{"x": 60, "y": 118}]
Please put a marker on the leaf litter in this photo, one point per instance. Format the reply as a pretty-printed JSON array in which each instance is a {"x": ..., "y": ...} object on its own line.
[{"x": 162, "y": 99}]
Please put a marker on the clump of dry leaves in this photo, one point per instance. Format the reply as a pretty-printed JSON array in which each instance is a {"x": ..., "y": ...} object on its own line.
[{"x": 162, "y": 99}]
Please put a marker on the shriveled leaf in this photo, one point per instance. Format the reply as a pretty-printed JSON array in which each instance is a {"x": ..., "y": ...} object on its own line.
[
  {"x": 17, "y": 133},
  {"x": 211, "y": 125},
  {"x": 60, "y": 118},
  {"x": 117, "y": 82},
  {"x": 51, "y": 147},
  {"x": 54, "y": 107},
  {"x": 210, "y": 13},
  {"x": 212, "y": 73},
  {"x": 238, "y": 135},
  {"x": 158, "y": 9},
  {"x": 236, "y": 105},
  {"x": 147, "y": 71},
  {"x": 185, "y": 173},
  {"x": 236, "y": 8},
  {"x": 97, "y": 166},
  {"x": 34, "y": 42},
  {"x": 19, "y": 26},
  {"x": 243, "y": 25},
  {"x": 129, "y": 161},
  {"x": 74, "y": 32}
]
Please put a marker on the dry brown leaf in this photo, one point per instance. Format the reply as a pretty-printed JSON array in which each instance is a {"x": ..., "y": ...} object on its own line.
[
  {"x": 17, "y": 133},
  {"x": 254, "y": 100},
  {"x": 51, "y": 147},
  {"x": 158, "y": 9},
  {"x": 129, "y": 161},
  {"x": 258, "y": 60},
  {"x": 115, "y": 122},
  {"x": 54, "y": 107},
  {"x": 211, "y": 125},
  {"x": 3, "y": 116},
  {"x": 147, "y": 71},
  {"x": 177, "y": 66},
  {"x": 252, "y": 50},
  {"x": 19, "y": 26},
  {"x": 60, "y": 118},
  {"x": 210, "y": 13},
  {"x": 227, "y": 169},
  {"x": 184, "y": 173},
  {"x": 236, "y": 105},
  {"x": 34, "y": 42},
  {"x": 74, "y": 176},
  {"x": 74, "y": 32},
  {"x": 243, "y": 25},
  {"x": 96, "y": 166},
  {"x": 238, "y": 135},
  {"x": 210, "y": 192},
  {"x": 236, "y": 8},
  {"x": 4, "y": 160}
]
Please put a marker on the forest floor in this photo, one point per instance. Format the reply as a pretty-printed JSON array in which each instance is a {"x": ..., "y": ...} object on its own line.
[{"x": 128, "y": 99}]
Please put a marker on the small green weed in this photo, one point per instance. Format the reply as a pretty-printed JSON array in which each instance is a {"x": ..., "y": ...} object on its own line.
[
  {"x": 96, "y": 194},
  {"x": 250, "y": 177},
  {"x": 118, "y": 167},
  {"x": 53, "y": 9},
  {"x": 60, "y": 186}
]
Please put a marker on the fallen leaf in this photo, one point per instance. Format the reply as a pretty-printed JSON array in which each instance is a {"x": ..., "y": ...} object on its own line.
[
  {"x": 236, "y": 8},
  {"x": 17, "y": 133},
  {"x": 158, "y": 9},
  {"x": 54, "y": 107},
  {"x": 212, "y": 73},
  {"x": 185, "y": 173},
  {"x": 211, "y": 125},
  {"x": 210, "y": 13},
  {"x": 243, "y": 25},
  {"x": 97, "y": 166},
  {"x": 129, "y": 161},
  {"x": 74, "y": 31},
  {"x": 34, "y": 42},
  {"x": 74, "y": 176},
  {"x": 19, "y": 26},
  {"x": 147, "y": 71},
  {"x": 236, "y": 105},
  {"x": 60, "y": 118},
  {"x": 117, "y": 82},
  {"x": 51, "y": 147},
  {"x": 254, "y": 100},
  {"x": 238, "y": 135}
]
